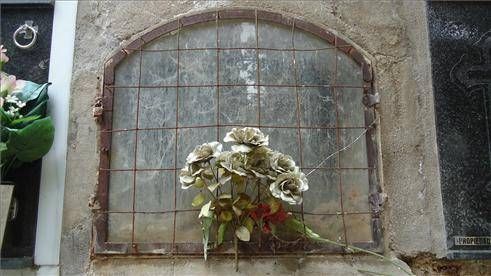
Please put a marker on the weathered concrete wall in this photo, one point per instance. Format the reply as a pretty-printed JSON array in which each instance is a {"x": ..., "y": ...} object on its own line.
[{"x": 392, "y": 34}]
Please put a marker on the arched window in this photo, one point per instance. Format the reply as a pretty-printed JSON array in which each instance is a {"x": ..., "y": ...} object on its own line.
[{"x": 192, "y": 80}]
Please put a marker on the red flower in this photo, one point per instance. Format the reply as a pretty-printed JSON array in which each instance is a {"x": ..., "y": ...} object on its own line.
[{"x": 263, "y": 212}]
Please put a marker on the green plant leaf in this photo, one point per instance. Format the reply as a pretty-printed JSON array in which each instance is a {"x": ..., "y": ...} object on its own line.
[
  {"x": 24, "y": 120},
  {"x": 221, "y": 232},
  {"x": 31, "y": 91},
  {"x": 205, "y": 211},
  {"x": 274, "y": 205},
  {"x": 249, "y": 224},
  {"x": 206, "y": 223},
  {"x": 3, "y": 146},
  {"x": 38, "y": 109},
  {"x": 237, "y": 211},
  {"x": 33, "y": 141},
  {"x": 225, "y": 196},
  {"x": 225, "y": 216},
  {"x": 5, "y": 118},
  {"x": 198, "y": 200},
  {"x": 199, "y": 183},
  {"x": 213, "y": 186},
  {"x": 242, "y": 233}
]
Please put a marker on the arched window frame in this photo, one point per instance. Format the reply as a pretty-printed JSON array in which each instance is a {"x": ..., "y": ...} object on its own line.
[{"x": 100, "y": 221}]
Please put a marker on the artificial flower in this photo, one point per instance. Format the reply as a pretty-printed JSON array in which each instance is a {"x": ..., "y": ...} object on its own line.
[
  {"x": 263, "y": 213},
  {"x": 204, "y": 152},
  {"x": 281, "y": 163},
  {"x": 3, "y": 57},
  {"x": 232, "y": 162},
  {"x": 246, "y": 139},
  {"x": 186, "y": 178},
  {"x": 7, "y": 84},
  {"x": 289, "y": 186}
]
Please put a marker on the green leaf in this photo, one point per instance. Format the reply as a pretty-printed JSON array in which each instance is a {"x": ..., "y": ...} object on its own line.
[
  {"x": 225, "y": 196},
  {"x": 38, "y": 109},
  {"x": 5, "y": 118},
  {"x": 225, "y": 216},
  {"x": 33, "y": 141},
  {"x": 213, "y": 186},
  {"x": 237, "y": 211},
  {"x": 249, "y": 224},
  {"x": 242, "y": 201},
  {"x": 198, "y": 200},
  {"x": 30, "y": 91},
  {"x": 24, "y": 120},
  {"x": 205, "y": 227},
  {"x": 242, "y": 233},
  {"x": 3, "y": 146},
  {"x": 199, "y": 183},
  {"x": 221, "y": 232},
  {"x": 205, "y": 211},
  {"x": 274, "y": 205}
]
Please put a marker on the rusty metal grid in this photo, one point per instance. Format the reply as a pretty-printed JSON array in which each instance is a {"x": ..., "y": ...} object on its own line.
[{"x": 265, "y": 245}]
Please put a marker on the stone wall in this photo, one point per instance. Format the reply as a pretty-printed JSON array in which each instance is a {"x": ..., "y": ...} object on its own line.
[{"x": 392, "y": 34}]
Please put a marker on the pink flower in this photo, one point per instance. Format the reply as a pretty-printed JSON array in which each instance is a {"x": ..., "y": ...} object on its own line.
[
  {"x": 8, "y": 84},
  {"x": 3, "y": 57}
]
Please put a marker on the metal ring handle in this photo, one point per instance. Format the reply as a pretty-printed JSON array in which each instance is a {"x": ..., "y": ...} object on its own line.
[{"x": 25, "y": 27}]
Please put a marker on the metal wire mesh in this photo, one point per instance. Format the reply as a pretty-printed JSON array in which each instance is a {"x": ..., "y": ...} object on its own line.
[{"x": 103, "y": 246}]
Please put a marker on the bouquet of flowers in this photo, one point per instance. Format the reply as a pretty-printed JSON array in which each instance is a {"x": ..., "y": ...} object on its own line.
[
  {"x": 249, "y": 189},
  {"x": 26, "y": 133}
]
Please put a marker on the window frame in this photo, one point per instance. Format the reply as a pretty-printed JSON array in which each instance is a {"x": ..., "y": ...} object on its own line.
[{"x": 101, "y": 246}]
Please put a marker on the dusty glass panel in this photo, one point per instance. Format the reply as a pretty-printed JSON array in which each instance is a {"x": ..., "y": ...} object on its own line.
[
  {"x": 197, "y": 106},
  {"x": 328, "y": 226},
  {"x": 155, "y": 149},
  {"x": 315, "y": 67},
  {"x": 154, "y": 190},
  {"x": 348, "y": 72},
  {"x": 307, "y": 41},
  {"x": 323, "y": 194},
  {"x": 274, "y": 36},
  {"x": 123, "y": 150},
  {"x": 350, "y": 107},
  {"x": 356, "y": 155},
  {"x": 119, "y": 227},
  {"x": 276, "y": 67},
  {"x": 159, "y": 68},
  {"x": 189, "y": 138},
  {"x": 185, "y": 233},
  {"x": 238, "y": 105},
  {"x": 198, "y": 36},
  {"x": 317, "y": 107},
  {"x": 127, "y": 73},
  {"x": 237, "y": 33},
  {"x": 197, "y": 67},
  {"x": 284, "y": 140},
  {"x": 124, "y": 108},
  {"x": 238, "y": 67},
  {"x": 278, "y": 106},
  {"x": 355, "y": 190},
  {"x": 358, "y": 227},
  {"x": 157, "y": 108},
  {"x": 154, "y": 227},
  {"x": 317, "y": 144},
  {"x": 165, "y": 42},
  {"x": 121, "y": 191}
]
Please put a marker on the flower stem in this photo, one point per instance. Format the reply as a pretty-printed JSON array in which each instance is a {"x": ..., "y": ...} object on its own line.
[{"x": 236, "y": 252}]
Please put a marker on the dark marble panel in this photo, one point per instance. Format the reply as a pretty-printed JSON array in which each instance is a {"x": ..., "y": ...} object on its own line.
[
  {"x": 32, "y": 64},
  {"x": 460, "y": 41}
]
